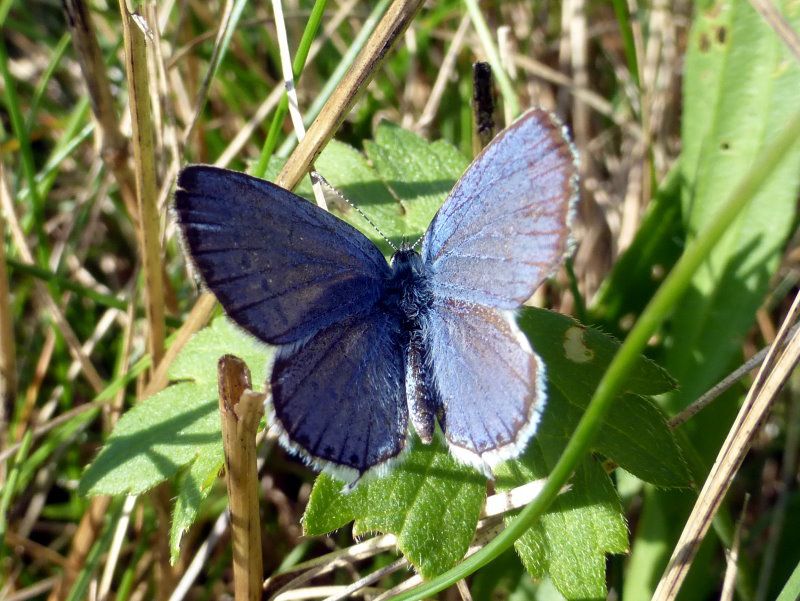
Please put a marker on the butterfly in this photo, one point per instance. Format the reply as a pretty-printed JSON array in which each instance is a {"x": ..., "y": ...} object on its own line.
[{"x": 367, "y": 348}]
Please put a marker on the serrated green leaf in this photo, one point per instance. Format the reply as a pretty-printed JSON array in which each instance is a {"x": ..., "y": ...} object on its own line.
[
  {"x": 571, "y": 539},
  {"x": 429, "y": 501},
  {"x": 193, "y": 488},
  {"x": 418, "y": 173},
  {"x": 198, "y": 359},
  {"x": 178, "y": 425},
  {"x": 635, "y": 432},
  {"x": 347, "y": 170},
  {"x": 399, "y": 185},
  {"x": 577, "y": 356},
  {"x": 152, "y": 441}
]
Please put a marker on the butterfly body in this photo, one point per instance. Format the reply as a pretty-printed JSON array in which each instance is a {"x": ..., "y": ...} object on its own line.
[{"x": 366, "y": 348}]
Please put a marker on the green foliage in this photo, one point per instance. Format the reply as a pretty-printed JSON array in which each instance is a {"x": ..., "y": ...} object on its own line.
[
  {"x": 176, "y": 428},
  {"x": 430, "y": 501},
  {"x": 738, "y": 80},
  {"x": 635, "y": 434},
  {"x": 570, "y": 541},
  {"x": 738, "y": 94},
  {"x": 399, "y": 184}
]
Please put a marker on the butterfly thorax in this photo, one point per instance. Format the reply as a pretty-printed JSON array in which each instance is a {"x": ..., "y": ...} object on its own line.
[{"x": 408, "y": 287}]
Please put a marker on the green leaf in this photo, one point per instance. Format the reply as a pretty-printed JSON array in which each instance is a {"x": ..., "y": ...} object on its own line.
[
  {"x": 399, "y": 185},
  {"x": 176, "y": 427},
  {"x": 429, "y": 501},
  {"x": 152, "y": 441},
  {"x": 577, "y": 356},
  {"x": 635, "y": 433},
  {"x": 740, "y": 88},
  {"x": 418, "y": 173},
  {"x": 193, "y": 488},
  {"x": 583, "y": 524}
]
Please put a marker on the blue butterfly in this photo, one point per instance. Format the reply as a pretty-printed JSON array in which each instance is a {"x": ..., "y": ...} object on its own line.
[{"x": 364, "y": 346}]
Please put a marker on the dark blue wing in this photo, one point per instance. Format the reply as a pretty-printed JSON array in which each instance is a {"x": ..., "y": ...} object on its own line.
[
  {"x": 490, "y": 383},
  {"x": 505, "y": 226},
  {"x": 340, "y": 398},
  {"x": 280, "y": 266}
]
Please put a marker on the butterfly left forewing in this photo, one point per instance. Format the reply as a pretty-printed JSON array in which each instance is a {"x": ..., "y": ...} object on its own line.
[{"x": 281, "y": 267}]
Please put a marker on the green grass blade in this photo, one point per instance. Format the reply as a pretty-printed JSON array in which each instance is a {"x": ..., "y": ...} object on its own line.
[
  {"x": 344, "y": 65},
  {"x": 299, "y": 62}
]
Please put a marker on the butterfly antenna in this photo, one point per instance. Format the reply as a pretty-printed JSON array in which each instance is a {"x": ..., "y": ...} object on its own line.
[{"x": 316, "y": 176}]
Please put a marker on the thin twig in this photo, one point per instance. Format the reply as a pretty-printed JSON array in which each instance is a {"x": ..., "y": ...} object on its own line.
[
  {"x": 352, "y": 85},
  {"x": 732, "y": 557},
  {"x": 444, "y": 75},
  {"x": 116, "y": 546},
  {"x": 145, "y": 174},
  {"x": 88, "y": 369},
  {"x": 369, "y": 579},
  {"x": 718, "y": 389},
  {"x": 788, "y": 476},
  {"x": 8, "y": 354},
  {"x": 240, "y": 411},
  {"x": 114, "y": 150}
]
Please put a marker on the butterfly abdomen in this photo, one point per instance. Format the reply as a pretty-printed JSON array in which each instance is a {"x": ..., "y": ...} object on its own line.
[{"x": 409, "y": 293}]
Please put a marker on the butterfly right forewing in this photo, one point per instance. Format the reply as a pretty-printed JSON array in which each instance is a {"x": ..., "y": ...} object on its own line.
[{"x": 503, "y": 229}]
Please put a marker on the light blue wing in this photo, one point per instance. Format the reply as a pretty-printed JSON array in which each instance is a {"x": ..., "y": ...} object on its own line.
[
  {"x": 490, "y": 384},
  {"x": 506, "y": 225}
]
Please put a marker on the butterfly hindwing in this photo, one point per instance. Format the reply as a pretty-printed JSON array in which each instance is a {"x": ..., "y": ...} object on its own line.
[
  {"x": 281, "y": 267},
  {"x": 489, "y": 382},
  {"x": 340, "y": 396},
  {"x": 505, "y": 226}
]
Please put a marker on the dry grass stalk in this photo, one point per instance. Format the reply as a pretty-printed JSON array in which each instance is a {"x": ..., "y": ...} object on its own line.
[
  {"x": 369, "y": 60},
  {"x": 769, "y": 381},
  {"x": 732, "y": 557},
  {"x": 85, "y": 537},
  {"x": 114, "y": 147},
  {"x": 197, "y": 318},
  {"x": 240, "y": 411},
  {"x": 90, "y": 373},
  {"x": 145, "y": 172}
]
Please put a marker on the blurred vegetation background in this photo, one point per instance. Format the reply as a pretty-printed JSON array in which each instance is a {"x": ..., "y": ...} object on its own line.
[{"x": 668, "y": 103}]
